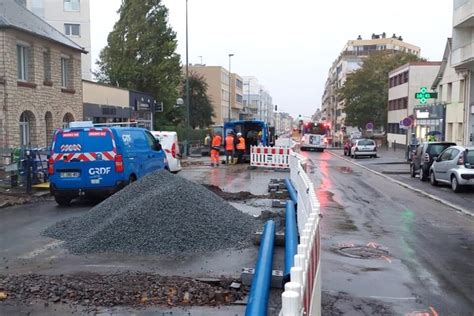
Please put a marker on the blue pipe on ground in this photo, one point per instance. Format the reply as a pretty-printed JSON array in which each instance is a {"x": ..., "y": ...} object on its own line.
[
  {"x": 291, "y": 236},
  {"x": 260, "y": 290},
  {"x": 291, "y": 190}
]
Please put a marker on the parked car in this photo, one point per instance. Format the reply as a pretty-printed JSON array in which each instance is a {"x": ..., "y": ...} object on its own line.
[
  {"x": 313, "y": 142},
  {"x": 424, "y": 156},
  {"x": 363, "y": 147},
  {"x": 169, "y": 143},
  {"x": 100, "y": 161},
  {"x": 454, "y": 166}
]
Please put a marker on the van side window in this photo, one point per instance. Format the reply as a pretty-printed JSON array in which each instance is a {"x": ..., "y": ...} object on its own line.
[{"x": 150, "y": 140}]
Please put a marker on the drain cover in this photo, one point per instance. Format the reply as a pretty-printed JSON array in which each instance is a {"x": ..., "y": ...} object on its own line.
[{"x": 362, "y": 252}]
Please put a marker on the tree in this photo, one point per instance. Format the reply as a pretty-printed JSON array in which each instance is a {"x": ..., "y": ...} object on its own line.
[
  {"x": 140, "y": 54},
  {"x": 365, "y": 92},
  {"x": 201, "y": 110}
]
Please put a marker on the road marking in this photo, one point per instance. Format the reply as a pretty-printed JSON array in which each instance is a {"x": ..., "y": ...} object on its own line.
[
  {"x": 393, "y": 298},
  {"x": 431, "y": 196},
  {"x": 37, "y": 252}
]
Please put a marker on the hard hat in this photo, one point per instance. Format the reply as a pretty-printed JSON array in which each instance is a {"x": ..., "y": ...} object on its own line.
[{"x": 239, "y": 134}]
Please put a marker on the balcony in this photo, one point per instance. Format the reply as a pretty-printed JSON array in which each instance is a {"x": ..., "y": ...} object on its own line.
[
  {"x": 463, "y": 57},
  {"x": 463, "y": 13}
]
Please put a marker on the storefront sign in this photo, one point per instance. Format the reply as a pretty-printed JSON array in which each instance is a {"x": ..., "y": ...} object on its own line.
[
  {"x": 424, "y": 95},
  {"x": 422, "y": 114}
]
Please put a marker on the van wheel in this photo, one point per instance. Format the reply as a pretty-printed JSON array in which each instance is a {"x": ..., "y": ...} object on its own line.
[
  {"x": 132, "y": 178},
  {"x": 63, "y": 200},
  {"x": 455, "y": 185}
]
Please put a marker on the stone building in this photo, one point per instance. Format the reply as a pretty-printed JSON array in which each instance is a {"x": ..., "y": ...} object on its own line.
[{"x": 40, "y": 78}]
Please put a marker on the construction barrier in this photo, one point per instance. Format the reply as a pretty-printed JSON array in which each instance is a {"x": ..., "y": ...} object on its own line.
[
  {"x": 302, "y": 295},
  {"x": 270, "y": 157}
]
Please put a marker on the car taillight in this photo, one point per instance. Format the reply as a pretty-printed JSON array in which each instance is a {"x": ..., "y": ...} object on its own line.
[
  {"x": 173, "y": 150},
  {"x": 427, "y": 158},
  {"x": 50, "y": 166},
  {"x": 461, "y": 160},
  {"x": 118, "y": 163}
]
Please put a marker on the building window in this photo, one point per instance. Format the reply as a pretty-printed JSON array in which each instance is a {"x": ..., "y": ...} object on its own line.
[
  {"x": 48, "y": 120},
  {"x": 72, "y": 29},
  {"x": 23, "y": 58},
  {"x": 461, "y": 91},
  {"x": 72, "y": 5},
  {"x": 450, "y": 92},
  {"x": 64, "y": 72},
  {"x": 37, "y": 6},
  {"x": 27, "y": 126},
  {"x": 239, "y": 84},
  {"x": 68, "y": 118},
  {"x": 239, "y": 98},
  {"x": 47, "y": 65}
]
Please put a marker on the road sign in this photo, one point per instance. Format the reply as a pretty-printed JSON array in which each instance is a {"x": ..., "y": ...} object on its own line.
[
  {"x": 369, "y": 126},
  {"x": 424, "y": 95}
]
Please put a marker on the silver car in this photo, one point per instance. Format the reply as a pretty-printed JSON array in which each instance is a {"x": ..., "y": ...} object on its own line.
[
  {"x": 455, "y": 166},
  {"x": 363, "y": 147}
]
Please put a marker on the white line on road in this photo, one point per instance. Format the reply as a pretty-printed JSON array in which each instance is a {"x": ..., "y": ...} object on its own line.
[
  {"x": 431, "y": 196},
  {"x": 37, "y": 252}
]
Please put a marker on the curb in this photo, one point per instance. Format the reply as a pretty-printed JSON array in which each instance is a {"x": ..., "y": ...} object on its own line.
[{"x": 407, "y": 186}]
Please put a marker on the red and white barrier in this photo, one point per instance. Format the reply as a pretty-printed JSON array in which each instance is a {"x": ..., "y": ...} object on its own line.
[
  {"x": 302, "y": 295},
  {"x": 270, "y": 157}
]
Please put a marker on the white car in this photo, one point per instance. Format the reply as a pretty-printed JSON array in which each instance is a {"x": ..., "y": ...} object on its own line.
[
  {"x": 169, "y": 143},
  {"x": 363, "y": 147},
  {"x": 313, "y": 141}
]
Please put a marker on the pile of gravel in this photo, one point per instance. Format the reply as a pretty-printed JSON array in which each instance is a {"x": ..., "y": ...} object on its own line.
[{"x": 160, "y": 214}]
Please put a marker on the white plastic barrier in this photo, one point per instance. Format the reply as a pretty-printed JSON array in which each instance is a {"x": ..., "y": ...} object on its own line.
[
  {"x": 302, "y": 296},
  {"x": 270, "y": 157}
]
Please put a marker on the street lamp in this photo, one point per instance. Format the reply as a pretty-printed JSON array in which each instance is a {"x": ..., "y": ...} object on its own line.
[
  {"x": 230, "y": 80},
  {"x": 187, "y": 87}
]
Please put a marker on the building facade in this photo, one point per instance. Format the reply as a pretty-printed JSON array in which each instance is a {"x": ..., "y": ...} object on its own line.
[
  {"x": 405, "y": 113},
  {"x": 108, "y": 104},
  {"x": 349, "y": 60},
  {"x": 40, "y": 78},
  {"x": 451, "y": 86},
  {"x": 462, "y": 59},
  {"x": 258, "y": 100},
  {"x": 72, "y": 18}
]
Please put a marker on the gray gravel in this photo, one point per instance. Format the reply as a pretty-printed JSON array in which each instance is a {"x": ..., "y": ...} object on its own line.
[{"x": 160, "y": 214}]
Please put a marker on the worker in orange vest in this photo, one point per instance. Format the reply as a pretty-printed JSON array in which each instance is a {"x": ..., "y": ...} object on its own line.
[
  {"x": 240, "y": 147},
  {"x": 229, "y": 148},
  {"x": 215, "y": 149}
]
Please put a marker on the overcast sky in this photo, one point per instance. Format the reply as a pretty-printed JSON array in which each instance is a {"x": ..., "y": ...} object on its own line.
[{"x": 289, "y": 45}]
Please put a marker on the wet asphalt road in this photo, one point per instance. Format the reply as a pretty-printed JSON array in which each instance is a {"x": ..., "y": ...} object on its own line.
[{"x": 423, "y": 251}]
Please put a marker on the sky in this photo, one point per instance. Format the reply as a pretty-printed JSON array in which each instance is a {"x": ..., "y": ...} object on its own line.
[{"x": 288, "y": 46}]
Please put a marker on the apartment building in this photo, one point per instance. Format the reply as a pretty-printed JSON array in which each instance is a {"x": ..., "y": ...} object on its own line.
[
  {"x": 451, "y": 86},
  {"x": 349, "y": 60},
  {"x": 259, "y": 100},
  {"x": 406, "y": 114},
  {"x": 70, "y": 17},
  {"x": 40, "y": 78},
  {"x": 462, "y": 59},
  {"x": 219, "y": 91}
]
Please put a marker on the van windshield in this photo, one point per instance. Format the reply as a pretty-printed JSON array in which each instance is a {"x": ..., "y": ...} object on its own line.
[
  {"x": 83, "y": 141},
  {"x": 436, "y": 149}
]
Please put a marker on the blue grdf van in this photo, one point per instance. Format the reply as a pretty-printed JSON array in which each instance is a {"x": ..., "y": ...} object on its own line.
[{"x": 100, "y": 161}]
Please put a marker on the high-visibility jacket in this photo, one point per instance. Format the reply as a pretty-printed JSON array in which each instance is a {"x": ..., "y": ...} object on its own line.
[
  {"x": 216, "y": 142},
  {"x": 229, "y": 142},
  {"x": 241, "y": 144}
]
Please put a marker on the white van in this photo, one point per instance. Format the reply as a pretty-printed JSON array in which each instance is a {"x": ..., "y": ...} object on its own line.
[
  {"x": 169, "y": 143},
  {"x": 313, "y": 142}
]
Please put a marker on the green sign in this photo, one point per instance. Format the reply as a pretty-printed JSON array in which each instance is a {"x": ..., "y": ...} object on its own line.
[{"x": 424, "y": 95}]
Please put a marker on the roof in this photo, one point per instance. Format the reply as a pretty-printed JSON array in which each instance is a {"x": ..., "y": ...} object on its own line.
[
  {"x": 15, "y": 16},
  {"x": 415, "y": 63},
  {"x": 439, "y": 76}
]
